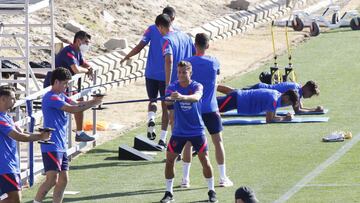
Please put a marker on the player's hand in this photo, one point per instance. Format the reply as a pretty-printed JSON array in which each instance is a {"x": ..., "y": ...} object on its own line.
[
  {"x": 289, "y": 117},
  {"x": 319, "y": 109},
  {"x": 123, "y": 60},
  {"x": 98, "y": 100},
  {"x": 176, "y": 96},
  {"x": 45, "y": 135},
  {"x": 90, "y": 73}
]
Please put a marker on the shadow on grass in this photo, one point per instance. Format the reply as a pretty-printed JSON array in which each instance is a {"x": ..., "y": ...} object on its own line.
[
  {"x": 122, "y": 194},
  {"x": 95, "y": 151},
  {"x": 112, "y": 164}
]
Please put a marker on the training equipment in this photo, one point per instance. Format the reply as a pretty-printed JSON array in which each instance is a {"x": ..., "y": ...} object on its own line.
[
  {"x": 98, "y": 95},
  {"x": 46, "y": 141},
  {"x": 128, "y": 153},
  {"x": 300, "y": 19},
  {"x": 46, "y": 129},
  {"x": 278, "y": 75},
  {"x": 279, "y": 112},
  {"x": 250, "y": 121},
  {"x": 130, "y": 101},
  {"x": 143, "y": 143}
]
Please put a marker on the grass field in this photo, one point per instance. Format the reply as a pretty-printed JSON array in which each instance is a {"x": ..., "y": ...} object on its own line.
[{"x": 269, "y": 158}]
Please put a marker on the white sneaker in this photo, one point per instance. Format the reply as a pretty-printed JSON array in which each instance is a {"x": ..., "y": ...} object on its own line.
[
  {"x": 225, "y": 182},
  {"x": 185, "y": 183}
]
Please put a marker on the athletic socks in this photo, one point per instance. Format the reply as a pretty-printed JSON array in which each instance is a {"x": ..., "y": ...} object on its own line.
[
  {"x": 222, "y": 171},
  {"x": 186, "y": 170},
  {"x": 36, "y": 201},
  {"x": 169, "y": 185},
  {"x": 151, "y": 115},
  {"x": 210, "y": 183},
  {"x": 163, "y": 135},
  {"x": 78, "y": 132}
]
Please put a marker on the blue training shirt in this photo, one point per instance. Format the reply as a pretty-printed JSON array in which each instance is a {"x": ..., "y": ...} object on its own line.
[
  {"x": 155, "y": 60},
  {"x": 187, "y": 115},
  {"x": 205, "y": 70},
  {"x": 258, "y": 101},
  {"x": 9, "y": 158},
  {"x": 55, "y": 118},
  {"x": 180, "y": 46},
  {"x": 283, "y": 87},
  {"x": 67, "y": 57}
]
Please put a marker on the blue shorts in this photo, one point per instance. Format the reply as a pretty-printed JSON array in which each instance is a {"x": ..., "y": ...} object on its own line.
[
  {"x": 212, "y": 122},
  {"x": 55, "y": 161},
  {"x": 176, "y": 143},
  {"x": 154, "y": 87},
  {"x": 228, "y": 102},
  {"x": 9, "y": 182}
]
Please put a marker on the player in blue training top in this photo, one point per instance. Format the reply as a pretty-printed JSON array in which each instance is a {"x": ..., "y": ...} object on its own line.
[
  {"x": 176, "y": 46},
  {"x": 257, "y": 101},
  {"x": 205, "y": 71},
  {"x": 55, "y": 104},
  {"x": 188, "y": 127},
  {"x": 71, "y": 57},
  {"x": 10, "y": 182},
  {"x": 310, "y": 89},
  {"x": 154, "y": 75}
]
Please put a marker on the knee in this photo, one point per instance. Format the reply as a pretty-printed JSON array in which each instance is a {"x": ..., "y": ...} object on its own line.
[
  {"x": 51, "y": 180},
  {"x": 217, "y": 139},
  {"x": 169, "y": 163},
  {"x": 63, "y": 180}
]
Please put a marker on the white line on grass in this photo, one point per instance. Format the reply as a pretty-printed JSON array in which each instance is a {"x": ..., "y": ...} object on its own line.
[
  {"x": 331, "y": 185},
  {"x": 309, "y": 177}
]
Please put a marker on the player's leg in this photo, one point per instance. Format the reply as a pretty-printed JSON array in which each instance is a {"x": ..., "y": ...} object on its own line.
[
  {"x": 174, "y": 148},
  {"x": 200, "y": 145},
  {"x": 214, "y": 126},
  {"x": 62, "y": 181},
  {"x": 81, "y": 136},
  {"x": 52, "y": 167},
  {"x": 164, "y": 116},
  {"x": 187, "y": 155},
  {"x": 60, "y": 187},
  {"x": 10, "y": 188},
  {"x": 152, "y": 92}
]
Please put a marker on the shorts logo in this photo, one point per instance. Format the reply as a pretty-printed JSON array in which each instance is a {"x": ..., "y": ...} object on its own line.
[{"x": 173, "y": 143}]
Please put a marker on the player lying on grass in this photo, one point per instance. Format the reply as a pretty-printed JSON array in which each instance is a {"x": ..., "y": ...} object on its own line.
[
  {"x": 310, "y": 89},
  {"x": 257, "y": 101}
]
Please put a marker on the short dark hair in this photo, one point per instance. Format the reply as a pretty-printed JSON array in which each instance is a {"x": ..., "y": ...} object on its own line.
[
  {"x": 313, "y": 87},
  {"x": 60, "y": 74},
  {"x": 170, "y": 11},
  {"x": 6, "y": 90},
  {"x": 293, "y": 96},
  {"x": 163, "y": 20},
  {"x": 81, "y": 35},
  {"x": 202, "y": 40},
  {"x": 246, "y": 194},
  {"x": 185, "y": 64}
]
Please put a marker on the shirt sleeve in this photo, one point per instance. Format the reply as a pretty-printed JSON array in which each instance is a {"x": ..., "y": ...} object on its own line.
[
  {"x": 166, "y": 48},
  {"x": 70, "y": 59},
  {"x": 198, "y": 89},
  {"x": 146, "y": 36},
  {"x": 5, "y": 127},
  {"x": 217, "y": 66},
  {"x": 56, "y": 102}
]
